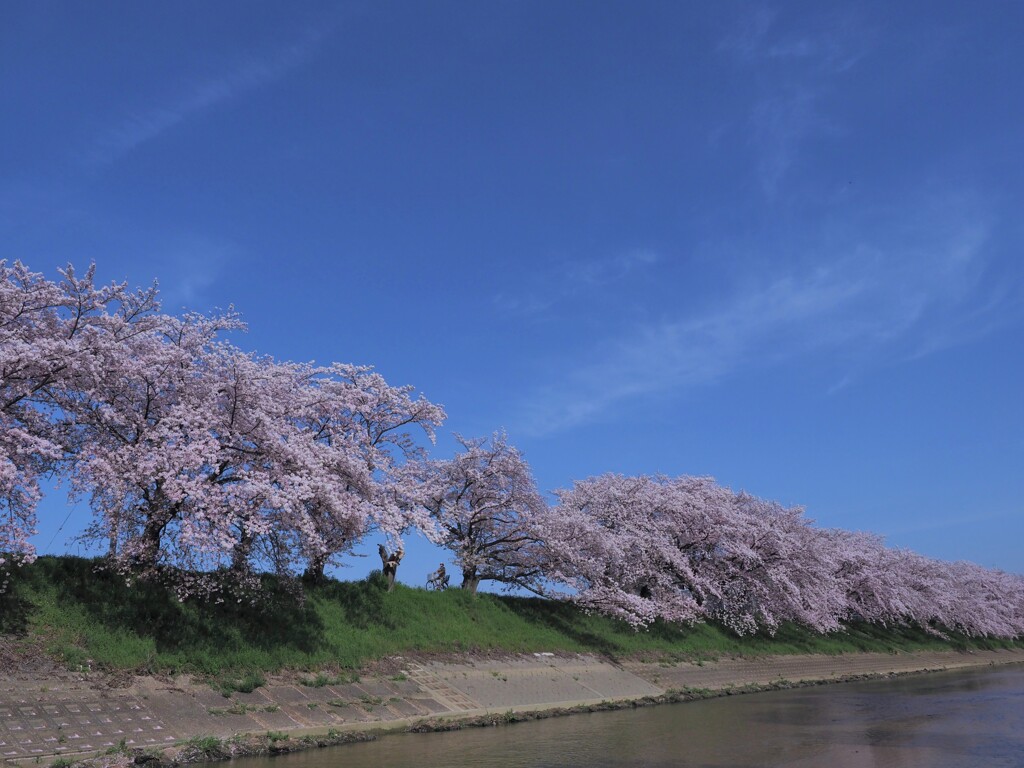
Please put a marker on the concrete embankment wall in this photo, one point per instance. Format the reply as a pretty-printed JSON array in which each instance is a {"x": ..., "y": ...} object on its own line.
[{"x": 64, "y": 714}]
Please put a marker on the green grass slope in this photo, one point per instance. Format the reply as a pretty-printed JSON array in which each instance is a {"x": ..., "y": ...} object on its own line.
[{"x": 82, "y": 615}]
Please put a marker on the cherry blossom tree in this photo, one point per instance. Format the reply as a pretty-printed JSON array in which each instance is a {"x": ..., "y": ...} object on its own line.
[
  {"x": 960, "y": 596},
  {"x": 983, "y": 601},
  {"x": 194, "y": 456},
  {"x": 52, "y": 336},
  {"x": 867, "y": 572},
  {"x": 603, "y": 541},
  {"x": 685, "y": 548},
  {"x": 198, "y": 458},
  {"x": 489, "y": 512},
  {"x": 365, "y": 431},
  {"x": 766, "y": 570},
  {"x": 896, "y": 587},
  {"x": 147, "y": 451}
]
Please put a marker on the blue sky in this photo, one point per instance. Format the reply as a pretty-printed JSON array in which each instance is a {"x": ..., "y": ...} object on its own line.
[{"x": 776, "y": 244}]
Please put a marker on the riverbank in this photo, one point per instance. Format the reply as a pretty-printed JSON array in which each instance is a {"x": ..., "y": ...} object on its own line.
[
  {"x": 57, "y": 717},
  {"x": 91, "y": 665},
  {"x": 74, "y": 612}
]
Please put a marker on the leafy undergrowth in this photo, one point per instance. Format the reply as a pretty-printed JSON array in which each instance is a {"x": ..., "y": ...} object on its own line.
[{"x": 85, "y": 617}]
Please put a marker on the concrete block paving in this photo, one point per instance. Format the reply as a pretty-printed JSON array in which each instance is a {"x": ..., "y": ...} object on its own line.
[{"x": 54, "y": 728}]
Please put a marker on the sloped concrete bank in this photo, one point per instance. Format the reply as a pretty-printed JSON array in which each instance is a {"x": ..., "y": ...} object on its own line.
[{"x": 62, "y": 717}]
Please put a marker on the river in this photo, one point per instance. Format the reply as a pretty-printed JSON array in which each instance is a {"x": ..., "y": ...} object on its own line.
[{"x": 972, "y": 719}]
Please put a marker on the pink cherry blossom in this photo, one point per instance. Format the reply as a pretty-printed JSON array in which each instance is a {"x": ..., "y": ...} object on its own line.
[{"x": 488, "y": 511}]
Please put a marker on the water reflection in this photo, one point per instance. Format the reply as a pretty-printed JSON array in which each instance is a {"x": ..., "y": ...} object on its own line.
[{"x": 945, "y": 720}]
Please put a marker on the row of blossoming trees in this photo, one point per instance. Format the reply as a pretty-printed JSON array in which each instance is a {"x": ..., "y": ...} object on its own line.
[{"x": 204, "y": 465}]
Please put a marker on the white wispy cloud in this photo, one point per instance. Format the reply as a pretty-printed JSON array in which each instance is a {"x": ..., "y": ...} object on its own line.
[
  {"x": 147, "y": 124},
  {"x": 919, "y": 290},
  {"x": 189, "y": 268},
  {"x": 780, "y": 123},
  {"x": 690, "y": 351},
  {"x": 603, "y": 271},
  {"x": 573, "y": 278},
  {"x": 792, "y": 74},
  {"x": 746, "y": 40}
]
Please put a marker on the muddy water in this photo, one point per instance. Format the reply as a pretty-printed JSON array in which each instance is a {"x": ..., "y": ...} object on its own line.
[{"x": 964, "y": 719}]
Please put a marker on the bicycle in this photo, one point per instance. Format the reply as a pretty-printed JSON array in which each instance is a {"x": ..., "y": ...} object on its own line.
[{"x": 438, "y": 580}]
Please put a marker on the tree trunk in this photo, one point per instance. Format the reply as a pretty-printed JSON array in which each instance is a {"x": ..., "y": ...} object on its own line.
[
  {"x": 158, "y": 515},
  {"x": 240, "y": 555},
  {"x": 113, "y": 536},
  {"x": 470, "y": 582},
  {"x": 146, "y": 555},
  {"x": 314, "y": 573}
]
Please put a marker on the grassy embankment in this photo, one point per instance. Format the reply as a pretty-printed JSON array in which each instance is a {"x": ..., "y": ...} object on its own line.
[{"x": 83, "y": 616}]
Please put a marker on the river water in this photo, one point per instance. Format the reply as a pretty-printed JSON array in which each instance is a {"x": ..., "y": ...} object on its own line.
[{"x": 972, "y": 719}]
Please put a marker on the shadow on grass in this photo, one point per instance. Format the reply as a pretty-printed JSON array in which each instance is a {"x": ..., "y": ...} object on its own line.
[
  {"x": 14, "y": 612},
  {"x": 563, "y": 618},
  {"x": 915, "y": 637},
  {"x": 361, "y": 602},
  {"x": 151, "y": 610},
  {"x": 873, "y": 637}
]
